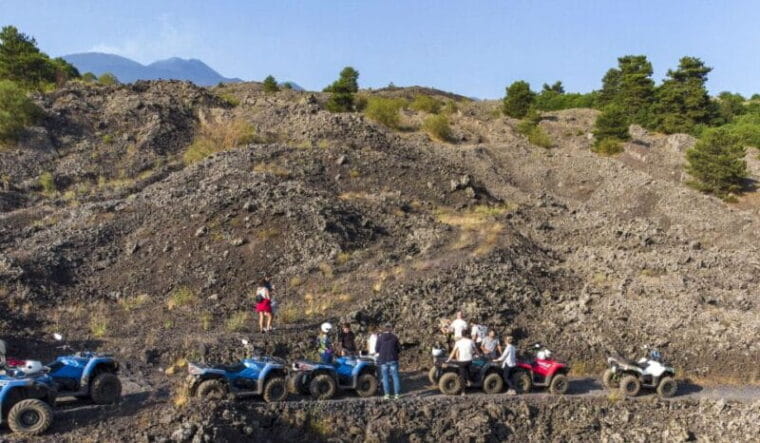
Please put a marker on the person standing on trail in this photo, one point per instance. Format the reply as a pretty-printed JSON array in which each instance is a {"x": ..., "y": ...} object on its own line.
[
  {"x": 372, "y": 342},
  {"x": 490, "y": 346},
  {"x": 458, "y": 326},
  {"x": 324, "y": 344},
  {"x": 508, "y": 362},
  {"x": 388, "y": 349},
  {"x": 463, "y": 352},
  {"x": 347, "y": 340},
  {"x": 264, "y": 305}
]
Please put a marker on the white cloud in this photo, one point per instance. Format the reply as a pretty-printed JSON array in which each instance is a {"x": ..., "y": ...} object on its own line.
[{"x": 167, "y": 39}]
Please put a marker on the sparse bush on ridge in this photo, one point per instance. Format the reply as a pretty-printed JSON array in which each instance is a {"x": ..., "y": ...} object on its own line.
[
  {"x": 536, "y": 135},
  {"x": 426, "y": 103},
  {"x": 385, "y": 110},
  {"x": 519, "y": 99},
  {"x": 108, "y": 79},
  {"x": 437, "y": 127},
  {"x": 17, "y": 111},
  {"x": 270, "y": 84},
  {"x": 343, "y": 90},
  {"x": 218, "y": 137},
  {"x": 608, "y": 146}
]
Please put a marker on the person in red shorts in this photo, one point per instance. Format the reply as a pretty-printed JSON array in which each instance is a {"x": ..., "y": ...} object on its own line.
[{"x": 264, "y": 305}]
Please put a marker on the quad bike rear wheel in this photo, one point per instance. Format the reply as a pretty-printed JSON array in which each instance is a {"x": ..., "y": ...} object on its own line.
[
  {"x": 275, "y": 390},
  {"x": 105, "y": 389},
  {"x": 212, "y": 390},
  {"x": 450, "y": 383},
  {"x": 366, "y": 385},
  {"x": 667, "y": 387},
  {"x": 30, "y": 417},
  {"x": 630, "y": 386},
  {"x": 609, "y": 379},
  {"x": 433, "y": 376},
  {"x": 322, "y": 387},
  {"x": 522, "y": 382},
  {"x": 493, "y": 383},
  {"x": 559, "y": 384}
]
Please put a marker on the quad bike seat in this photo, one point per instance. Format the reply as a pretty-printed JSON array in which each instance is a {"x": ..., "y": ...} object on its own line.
[{"x": 237, "y": 367}]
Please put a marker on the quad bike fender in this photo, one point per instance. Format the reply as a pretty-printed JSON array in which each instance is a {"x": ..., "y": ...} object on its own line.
[
  {"x": 193, "y": 381},
  {"x": 563, "y": 370},
  {"x": 366, "y": 369},
  {"x": 363, "y": 367},
  {"x": 267, "y": 373},
  {"x": 96, "y": 366}
]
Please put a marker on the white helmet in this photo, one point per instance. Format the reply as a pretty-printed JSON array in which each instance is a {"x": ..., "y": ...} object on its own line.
[
  {"x": 544, "y": 354},
  {"x": 326, "y": 327},
  {"x": 437, "y": 352},
  {"x": 32, "y": 367}
]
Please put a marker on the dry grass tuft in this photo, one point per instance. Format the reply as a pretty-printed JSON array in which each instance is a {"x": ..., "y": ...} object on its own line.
[
  {"x": 217, "y": 137},
  {"x": 272, "y": 168},
  {"x": 182, "y": 296},
  {"x": 238, "y": 321}
]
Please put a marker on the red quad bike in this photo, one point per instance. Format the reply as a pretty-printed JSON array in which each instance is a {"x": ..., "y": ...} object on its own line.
[{"x": 541, "y": 371}]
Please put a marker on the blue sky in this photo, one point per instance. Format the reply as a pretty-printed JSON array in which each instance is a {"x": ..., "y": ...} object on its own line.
[{"x": 473, "y": 47}]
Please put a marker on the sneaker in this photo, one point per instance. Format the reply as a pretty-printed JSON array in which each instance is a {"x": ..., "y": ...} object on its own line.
[
  {"x": 386, "y": 397},
  {"x": 396, "y": 397},
  {"x": 511, "y": 392}
]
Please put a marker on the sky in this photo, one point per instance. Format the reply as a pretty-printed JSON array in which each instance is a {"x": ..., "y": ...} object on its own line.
[{"x": 471, "y": 47}]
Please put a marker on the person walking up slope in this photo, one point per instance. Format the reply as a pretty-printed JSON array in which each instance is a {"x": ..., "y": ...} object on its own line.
[{"x": 388, "y": 349}]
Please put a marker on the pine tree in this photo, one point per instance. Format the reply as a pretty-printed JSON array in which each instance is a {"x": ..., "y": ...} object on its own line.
[
  {"x": 717, "y": 163},
  {"x": 270, "y": 84},
  {"x": 518, "y": 100},
  {"x": 343, "y": 89},
  {"x": 630, "y": 86},
  {"x": 610, "y": 87},
  {"x": 23, "y": 63},
  {"x": 682, "y": 99},
  {"x": 611, "y": 123}
]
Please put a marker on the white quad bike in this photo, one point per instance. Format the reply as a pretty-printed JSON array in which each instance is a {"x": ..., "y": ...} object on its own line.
[{"x": 649, "y": 372}]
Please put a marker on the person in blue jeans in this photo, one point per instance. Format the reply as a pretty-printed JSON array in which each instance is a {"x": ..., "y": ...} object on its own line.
[{"x": 388, "y": 348}]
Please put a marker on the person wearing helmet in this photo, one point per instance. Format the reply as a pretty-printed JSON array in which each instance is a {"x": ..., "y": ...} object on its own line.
[
  {"x": 324, "y": 344},
  {"x": 508, "y": 362}
]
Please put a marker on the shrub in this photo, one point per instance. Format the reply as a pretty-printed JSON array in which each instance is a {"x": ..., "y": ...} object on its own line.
[
  {"x": 230, "y": 100},
  {"x": 608, "y": 146},
  {"x": 98, "y": 325},
  {"x": 108, "y": 79},
  {"x": 426, "y": 103},
  {"x": 182, "y": 296},
  {"x": 717, "y": 163},
  {"x": 535, "y": 134},
  {"x": 518, "y": 100},
  {"x": 217, "y": 137},
  {"x": 89, "y": 77},
  {"x": 747, "y": 129},
  {"x": 612, "y": 123},
  {"x": 385, "y": 110},
  {"x": 238, "y": 321},
  {"x": 47, "y": 183},
  {"x": 437, "y": 127},
  {"x": 270, "y": 84},
  {"x": 22, "y": 62},
  {"x": 17, "y": 111}
]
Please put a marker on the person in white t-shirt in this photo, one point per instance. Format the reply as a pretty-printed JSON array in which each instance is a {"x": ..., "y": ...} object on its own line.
[
  {"x": 463, "y": 353},
  {"x": 478, "y": 333},
  {"x": 458, "y": 326},
  {"x": 372, "y": 343},
  {"x": 508, "y": 362}
]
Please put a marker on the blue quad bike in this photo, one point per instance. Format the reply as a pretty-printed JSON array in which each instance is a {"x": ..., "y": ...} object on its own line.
[
  {"x": 255, "y": 376},
  {"x": 322, "y": 381},
  {"x": 86, "y": 375},
  {"x": 27, "y": 400}
]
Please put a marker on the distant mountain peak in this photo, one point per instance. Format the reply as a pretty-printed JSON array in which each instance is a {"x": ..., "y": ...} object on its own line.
[{"x": 128, "y": 71}]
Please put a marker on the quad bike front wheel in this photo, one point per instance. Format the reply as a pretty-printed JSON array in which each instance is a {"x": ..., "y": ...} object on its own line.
[
  {"x": 522, "y": 382},
  {"x": 559, "y": 384},
  {"x": 667, "y": 387},
  {"x": 275, "y": 390},
  {"x": 366, "y": 385},
  {"x": 609, "y": 379},
  {"x": 433, "y": 376},
  {"x": 212, "y": 390},
  {"x": 630, "y": 386},
  {"x": 493, "y": 383},
  {"x": 322, "y": 387},
  {"x": 30, "y": 417},
  {"x": 105, "y": 389},
  {"x": 450, "y": 383}
]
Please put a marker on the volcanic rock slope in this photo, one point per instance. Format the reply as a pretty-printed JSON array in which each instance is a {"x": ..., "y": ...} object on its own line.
[{"x": 108, "y": 236}]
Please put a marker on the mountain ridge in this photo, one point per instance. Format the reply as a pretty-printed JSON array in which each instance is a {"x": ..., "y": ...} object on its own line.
[{"x": 128, "y": 70}]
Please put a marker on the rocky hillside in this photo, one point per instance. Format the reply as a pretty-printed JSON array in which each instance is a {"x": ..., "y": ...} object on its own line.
[{"x": 109, "y": 234}]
